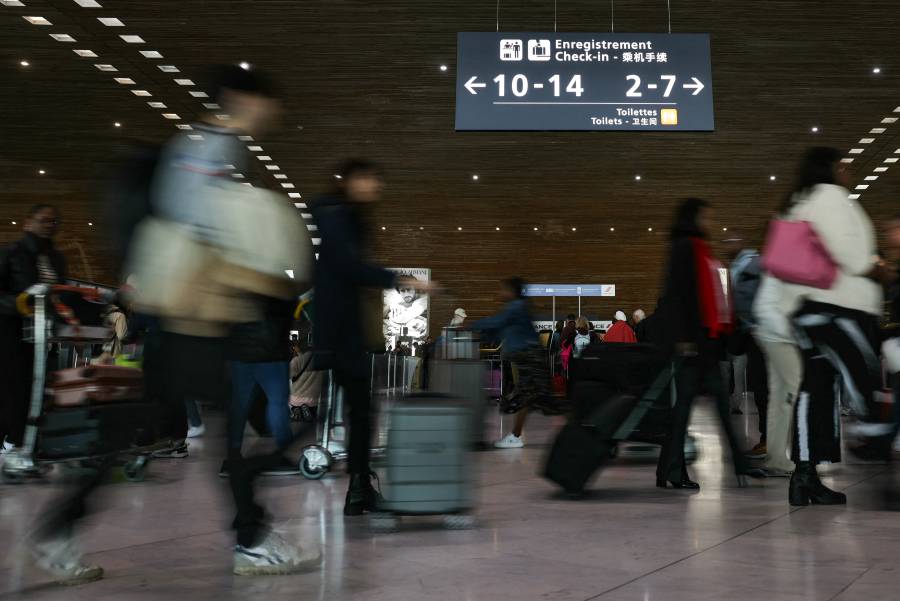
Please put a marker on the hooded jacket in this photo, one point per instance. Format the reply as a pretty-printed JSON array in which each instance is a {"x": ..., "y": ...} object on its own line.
[{"x": 18, "y": 272}]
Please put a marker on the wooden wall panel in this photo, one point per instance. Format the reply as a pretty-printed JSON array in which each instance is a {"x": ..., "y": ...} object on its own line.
[{"x": 361, "y": 79}]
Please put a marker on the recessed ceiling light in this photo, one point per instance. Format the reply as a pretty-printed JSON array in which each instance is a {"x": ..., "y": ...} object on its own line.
[
  {"x": 168, "y": 68},
  {"x": 443, "y": 67},
  {"x": 265, "y": 157},
  {"x": 212, "y": 106},
  {"x": 877, "y": 130},
  {"x": 294, "y": 195},
  {"x": 846, "y": 160},
  {"x": 637, "y": 178},
  {"x": 245, "y": 66},
  {"x": 459, "y": 229},
  {"x": 336, "y": 176},
  {"x": 13, "y": 222},
  {"x": 223, "y": 117},
  {"x": 151, "y": 54},
  {"x": 273, "y": 167},
  {"x": 143, "y": 93},
  {"x": 132, "y": 39},
  {"x": 198, "y": 94},
  {"x": 125, "y": 81},
  {"x": 245, "y": 138},
  {"x": 12, "y": 3},
  {"x": 612, "y": 229},
  {"x": 117, "y": 124},
  {"x": 62, "y": 37},
  {"x": 772, "y": 178},
  {"x": 862, "y": 187},
  {"x": 421, "y": 228},
  {"x": 88, "y": 3},
  {"x": 856, "y": 150},
  {"x": 288, "y": 186},
  {"x": 535, "y": 229},
  {"x": 498, "y": 229},
  {"x": 890, "y": 160},
  {"x": 37, "y": 20},
  {"x": 234, "y": 175},
  {"x": 157, "y": 105},
  {"x": 889, "y": 120},
  {"x": 475, "y": 178},
  {"x": 866, "y": 140},
  {"x": 280, "y": 176},
  {"x": 111, "y": 21},
  {"x": 383, "y": 228},
  {"x": 870, "y": 178},
  {"x": 85, "y": 53},
  {"x": 172, "y": 116},
  {"x": 255, "y": 148},
  {"x": 724, "y": 229},
  {"x": 876, "y": 70},
  {"x": 184, "y": 82},
  {"x": 853, "y": 196},
  {"x": 880, "y": 169},
  {"x": 24, "y": 63},
  {"x": 574, "y": 229},
  {"x": 107, "y": 68},
  {"x": 91, "y": 224},
  {"x": 183, "y": 126},
  {"x": 649, "y": 229},
  {"x": 41, "y": 172},
  {"x": 300, "y": 205},
  {"x": 814, "y": 129}
]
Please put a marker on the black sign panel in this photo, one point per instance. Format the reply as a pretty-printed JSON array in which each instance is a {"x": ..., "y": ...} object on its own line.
[{"x": 583, "y": 81}]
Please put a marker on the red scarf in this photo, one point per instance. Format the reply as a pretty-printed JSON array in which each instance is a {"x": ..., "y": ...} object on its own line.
[{"x": 712, "y": 294}]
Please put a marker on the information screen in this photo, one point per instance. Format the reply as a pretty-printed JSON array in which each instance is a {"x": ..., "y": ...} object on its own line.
[{"x": 583, "y": 81}]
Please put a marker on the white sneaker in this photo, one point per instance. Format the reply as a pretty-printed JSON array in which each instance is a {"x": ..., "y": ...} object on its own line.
[
  {"x": 511, "y": 441},
  {"x": 196, "y": 431},
  {"x": 274, "y": 556},
  {"x": 6, "y": 446},
  {"x": 59, "y": 558}
]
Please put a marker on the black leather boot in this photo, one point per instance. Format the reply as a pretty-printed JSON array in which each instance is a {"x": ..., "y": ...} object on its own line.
[
  {"x": 806, "y": 488},
  {"x": 361, "y": 495}
]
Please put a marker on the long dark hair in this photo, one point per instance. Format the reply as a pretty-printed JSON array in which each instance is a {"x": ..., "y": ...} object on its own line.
[
  {"x": 685, "y": 221},
  {"x": 816, "y": 167}
]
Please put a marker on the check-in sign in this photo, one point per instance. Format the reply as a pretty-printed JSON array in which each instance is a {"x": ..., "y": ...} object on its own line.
[{"x": 583, "y": 81}]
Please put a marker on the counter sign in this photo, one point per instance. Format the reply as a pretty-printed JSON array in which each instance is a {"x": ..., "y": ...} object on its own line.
[{"x": 583, "y": 81}]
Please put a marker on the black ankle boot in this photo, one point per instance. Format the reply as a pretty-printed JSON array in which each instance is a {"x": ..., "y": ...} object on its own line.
[
  {"x": 806, "y": 488},
  {"x": 361, "y": 495}
]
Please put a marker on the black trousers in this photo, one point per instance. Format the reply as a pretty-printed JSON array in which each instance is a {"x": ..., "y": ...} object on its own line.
[
  {"x": 15, "y": 389},
  {"x": 758, "y": 381},
  {"x": 361, "y": 415},
  {"x": 695, "y": 375}
]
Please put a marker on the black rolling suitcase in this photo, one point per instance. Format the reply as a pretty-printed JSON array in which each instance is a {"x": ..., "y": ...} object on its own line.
[{"x": 604, "y": 415}]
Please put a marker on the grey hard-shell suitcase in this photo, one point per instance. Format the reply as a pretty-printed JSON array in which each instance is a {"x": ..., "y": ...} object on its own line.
[{"x": 427, "y": 467}]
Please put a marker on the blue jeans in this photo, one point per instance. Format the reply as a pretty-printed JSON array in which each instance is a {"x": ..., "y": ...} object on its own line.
[{"x": 274, "y": 378}]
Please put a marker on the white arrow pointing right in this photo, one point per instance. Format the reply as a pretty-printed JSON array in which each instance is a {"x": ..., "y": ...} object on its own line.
[
  {"x": 696, "y": 86},
  {"x": 471, "y": 85}
]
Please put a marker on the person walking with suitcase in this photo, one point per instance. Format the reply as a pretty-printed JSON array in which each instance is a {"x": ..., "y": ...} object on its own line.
[
  {"x": 342, "y": 275},
  {"x": 696, "y": 315}
]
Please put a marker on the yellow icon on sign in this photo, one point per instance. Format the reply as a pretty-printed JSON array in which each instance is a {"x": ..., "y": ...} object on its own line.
[{"x": 668, "y": 116}]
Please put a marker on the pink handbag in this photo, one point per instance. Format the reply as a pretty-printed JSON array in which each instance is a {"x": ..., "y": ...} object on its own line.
[{"x": 794, "y": 253}]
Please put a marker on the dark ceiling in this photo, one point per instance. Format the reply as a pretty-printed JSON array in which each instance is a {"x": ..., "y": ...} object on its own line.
[{"x": 363, "y": 79}]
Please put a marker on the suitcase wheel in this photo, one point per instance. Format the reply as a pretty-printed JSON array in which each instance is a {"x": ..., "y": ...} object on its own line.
[
  {"x": 315, "y": 461},
  {"x": 383, "y": 523},
  {"x": 136, "y": 470},
  {"x": 461, "y": 521}
]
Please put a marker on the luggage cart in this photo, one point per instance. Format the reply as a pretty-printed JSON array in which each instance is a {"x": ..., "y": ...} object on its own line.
[
  {"x": 75, "y": 342},
  {"x": 319, "y": 458}
]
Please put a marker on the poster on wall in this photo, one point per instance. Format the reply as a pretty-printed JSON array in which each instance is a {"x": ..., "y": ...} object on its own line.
[{"x": 406, "y": 311}]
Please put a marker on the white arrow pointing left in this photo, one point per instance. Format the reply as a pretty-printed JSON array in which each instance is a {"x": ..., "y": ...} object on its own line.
[
  {"x": 471, "y": 85},
  {"x": 696, "y": 86}
]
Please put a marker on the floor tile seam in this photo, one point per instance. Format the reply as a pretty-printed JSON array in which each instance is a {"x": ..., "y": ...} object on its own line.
[
  {"x": 851, "y": 583},
  {"x": 157, "y": 542},
  {"x": 692, "y": 555}
]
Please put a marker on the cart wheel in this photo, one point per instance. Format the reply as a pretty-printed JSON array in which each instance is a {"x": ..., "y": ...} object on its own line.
[
  {"x": 383, "y": 523},
  {"x": 315, "y": 462},
  {"x": 135, "y": 471},
  {"x": 613, "y": 451},
  {"x": 460, "y": 521}
]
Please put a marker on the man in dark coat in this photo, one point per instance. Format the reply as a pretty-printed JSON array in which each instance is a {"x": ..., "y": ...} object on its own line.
[
  {"x": 342, "y": 274},
  {"x": 24, "y": 266}
]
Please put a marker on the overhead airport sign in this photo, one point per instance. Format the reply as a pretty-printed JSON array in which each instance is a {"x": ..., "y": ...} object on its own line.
[
  {"x": 583, "y": 82},
  {"x": 570, "y": 290}
]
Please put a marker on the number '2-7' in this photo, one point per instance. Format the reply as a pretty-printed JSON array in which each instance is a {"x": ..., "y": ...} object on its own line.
[{"x": 634, "y": 91}]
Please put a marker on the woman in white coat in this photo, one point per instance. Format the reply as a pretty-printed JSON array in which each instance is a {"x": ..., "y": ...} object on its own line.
[{"x": 836, "y": 329}]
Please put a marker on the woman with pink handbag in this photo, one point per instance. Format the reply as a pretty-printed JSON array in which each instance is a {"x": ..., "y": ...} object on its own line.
[{"x": 824, "y": 255}]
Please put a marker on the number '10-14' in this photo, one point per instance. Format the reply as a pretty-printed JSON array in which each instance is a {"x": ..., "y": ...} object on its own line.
[{"x": 519, "y": 85}]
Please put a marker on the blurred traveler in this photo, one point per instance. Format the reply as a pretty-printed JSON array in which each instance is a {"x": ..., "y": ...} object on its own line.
[
  {"x": 620, "y": 331},
  {"x": 307, "y": 384},
  {"x": 746, "y": 272},
  {"x": 213, "y": 255},
  {"x": 531, "y": 380},
  {"x": 839, "y": 323},
  {"x": 697, "y": 317},
  {"x": 583, "y": 336},
  {"x": 459, "y": 317},
  {"x": 638, "y": 318},
  {"x": 26, "y": 267},
  {"x": 342, "y": 274}
]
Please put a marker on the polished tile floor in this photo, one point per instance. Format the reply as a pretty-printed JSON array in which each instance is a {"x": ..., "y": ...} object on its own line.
[{"x": 168, "y": 538}]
